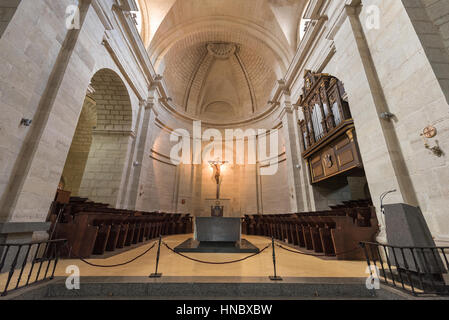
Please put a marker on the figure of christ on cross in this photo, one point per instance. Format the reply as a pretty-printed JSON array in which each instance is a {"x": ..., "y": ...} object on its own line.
[{"x": 216, "y": 165}]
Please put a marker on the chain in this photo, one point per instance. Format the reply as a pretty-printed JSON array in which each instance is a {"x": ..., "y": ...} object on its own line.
[
  {"x": 115, "y": 265},
  {"x": 208, "y": 262},
  {"x": 317, "y": 255}
]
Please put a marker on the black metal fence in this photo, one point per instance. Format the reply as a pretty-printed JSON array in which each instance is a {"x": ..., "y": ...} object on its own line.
[
  {"x": 416, "y": 270},
  {"x": 28, "y": 263}
]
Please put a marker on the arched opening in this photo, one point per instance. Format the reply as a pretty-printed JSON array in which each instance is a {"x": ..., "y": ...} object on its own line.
[{"x": 95, "y": 165}]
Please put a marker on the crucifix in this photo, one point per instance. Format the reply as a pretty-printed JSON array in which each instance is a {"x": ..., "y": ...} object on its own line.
[{"x": 216, "y": 165}]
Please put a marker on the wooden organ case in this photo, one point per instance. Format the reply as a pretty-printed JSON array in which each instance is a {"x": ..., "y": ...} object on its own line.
[{"x": 328, "y": 133}]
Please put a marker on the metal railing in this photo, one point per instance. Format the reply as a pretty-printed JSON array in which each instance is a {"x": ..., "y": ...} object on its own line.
[
  {"x": 24, "y": 264},
  {"x": 416, "y": 270}
]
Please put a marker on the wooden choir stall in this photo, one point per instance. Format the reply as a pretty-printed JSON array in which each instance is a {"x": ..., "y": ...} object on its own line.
[{"x": 94, "y": 228}]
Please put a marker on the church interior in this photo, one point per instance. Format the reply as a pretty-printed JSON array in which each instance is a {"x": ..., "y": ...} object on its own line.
[{"x": 209, "y": 149}]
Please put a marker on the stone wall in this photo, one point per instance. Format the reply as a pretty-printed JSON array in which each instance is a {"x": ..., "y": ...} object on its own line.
[
  {"x": 430, "y": 19},
  {"x": 80, "y": 147},
  {"x": 29, "y": 50},
  {"x": 48, "y": 70},
  {"x": 276, "y": 194},
  {"x": 7, "y": 10},
  {"x": 390, "y": 70},
  {"x": 414, "y": 94}
]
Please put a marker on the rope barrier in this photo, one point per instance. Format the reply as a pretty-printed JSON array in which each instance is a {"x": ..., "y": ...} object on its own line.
[
  {"x": 317, "y": 255},
  {"x": 215, "y": 263},
  {"x": 119, "y": 264},
  {"x": 206, "y": 262}
]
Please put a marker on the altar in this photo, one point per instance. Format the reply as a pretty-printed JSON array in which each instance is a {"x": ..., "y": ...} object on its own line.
[
  {"x": 217, "y": 235},
  {"x": 218, "y": 229}
]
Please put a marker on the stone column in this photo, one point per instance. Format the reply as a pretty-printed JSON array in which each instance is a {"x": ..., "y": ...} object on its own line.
[
  {"x": 379, "y": 145},
  {"x": 293, "y": 153},
  {"x": 141, "y": 160}
]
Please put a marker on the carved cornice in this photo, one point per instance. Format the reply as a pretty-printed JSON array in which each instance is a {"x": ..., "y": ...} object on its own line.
[
  {"x": 130, "y": 133},
  {"x": 101, "y": 9}
]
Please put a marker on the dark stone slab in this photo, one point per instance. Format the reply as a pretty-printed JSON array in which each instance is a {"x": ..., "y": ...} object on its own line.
[
  {"x": 406, "y": 227},
  {"x": 23, "y": 227},
  {"x": 217, "y": 229},
  {"x": 192, "y": 245}
]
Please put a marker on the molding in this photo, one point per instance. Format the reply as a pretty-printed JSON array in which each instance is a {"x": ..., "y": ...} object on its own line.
[
  {"x": 99, "y": 8},
  {"x": 128, "y": 5},
  {"x": 155, "y": 156},
  {"x": 336, "y": 21},
  {"x": 115, "y": 132},
  {"x": 266, "y": 162},
  {"x": 136, "y": 45},
  {"x": 160, "y": 154},
  {"x": 313, "y": 8},
  {"x": 112, "y": 49},
  {"x": 307, "y": 45},
  {"x": 183, "y": 116},
  {"x": 441, "y": 238},
  {"x": 325, "y": 56}
]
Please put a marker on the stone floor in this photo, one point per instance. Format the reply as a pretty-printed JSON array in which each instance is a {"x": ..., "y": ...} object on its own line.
[{"x": 288, "y": 264}]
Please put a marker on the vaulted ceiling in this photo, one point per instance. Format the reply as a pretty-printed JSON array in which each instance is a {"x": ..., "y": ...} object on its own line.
[{"x": 221, "y": 59}]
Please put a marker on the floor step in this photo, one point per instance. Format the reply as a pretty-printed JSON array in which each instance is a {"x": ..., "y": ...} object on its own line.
[{"x": 208, "y": 288}]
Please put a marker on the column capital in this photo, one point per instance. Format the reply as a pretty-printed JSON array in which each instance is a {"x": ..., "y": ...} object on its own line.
[{"x": 148, "y": 103}]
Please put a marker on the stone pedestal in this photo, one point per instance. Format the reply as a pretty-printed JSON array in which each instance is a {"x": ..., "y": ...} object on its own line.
[
  {"x": 406, "y": 227},
  {"x": 217, "y": 235}
]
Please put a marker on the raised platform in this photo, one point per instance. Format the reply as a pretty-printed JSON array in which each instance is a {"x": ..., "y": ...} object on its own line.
[
  {"x": 192, "y": 245},
  {"x": 249, "y": 288}
]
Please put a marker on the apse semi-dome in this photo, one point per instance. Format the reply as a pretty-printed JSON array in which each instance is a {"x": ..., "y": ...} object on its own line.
[{"x": 220, "y": 60}]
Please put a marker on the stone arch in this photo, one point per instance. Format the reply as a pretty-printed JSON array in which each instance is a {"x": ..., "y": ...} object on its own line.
[
  {"x": 98, "y": 157},
  {"x": 79, "y": 149}
]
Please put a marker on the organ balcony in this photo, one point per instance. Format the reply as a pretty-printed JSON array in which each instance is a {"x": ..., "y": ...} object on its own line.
[{"x": 328, "y": 134}]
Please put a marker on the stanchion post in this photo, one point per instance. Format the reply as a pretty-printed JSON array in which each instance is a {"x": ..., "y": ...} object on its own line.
[
  {"x": 155, "y": 274},
  {"x": 275, "y": 277}
]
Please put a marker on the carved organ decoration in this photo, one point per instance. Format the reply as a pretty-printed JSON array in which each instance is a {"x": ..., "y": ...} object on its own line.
[{"x": 327, "y": 131}]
